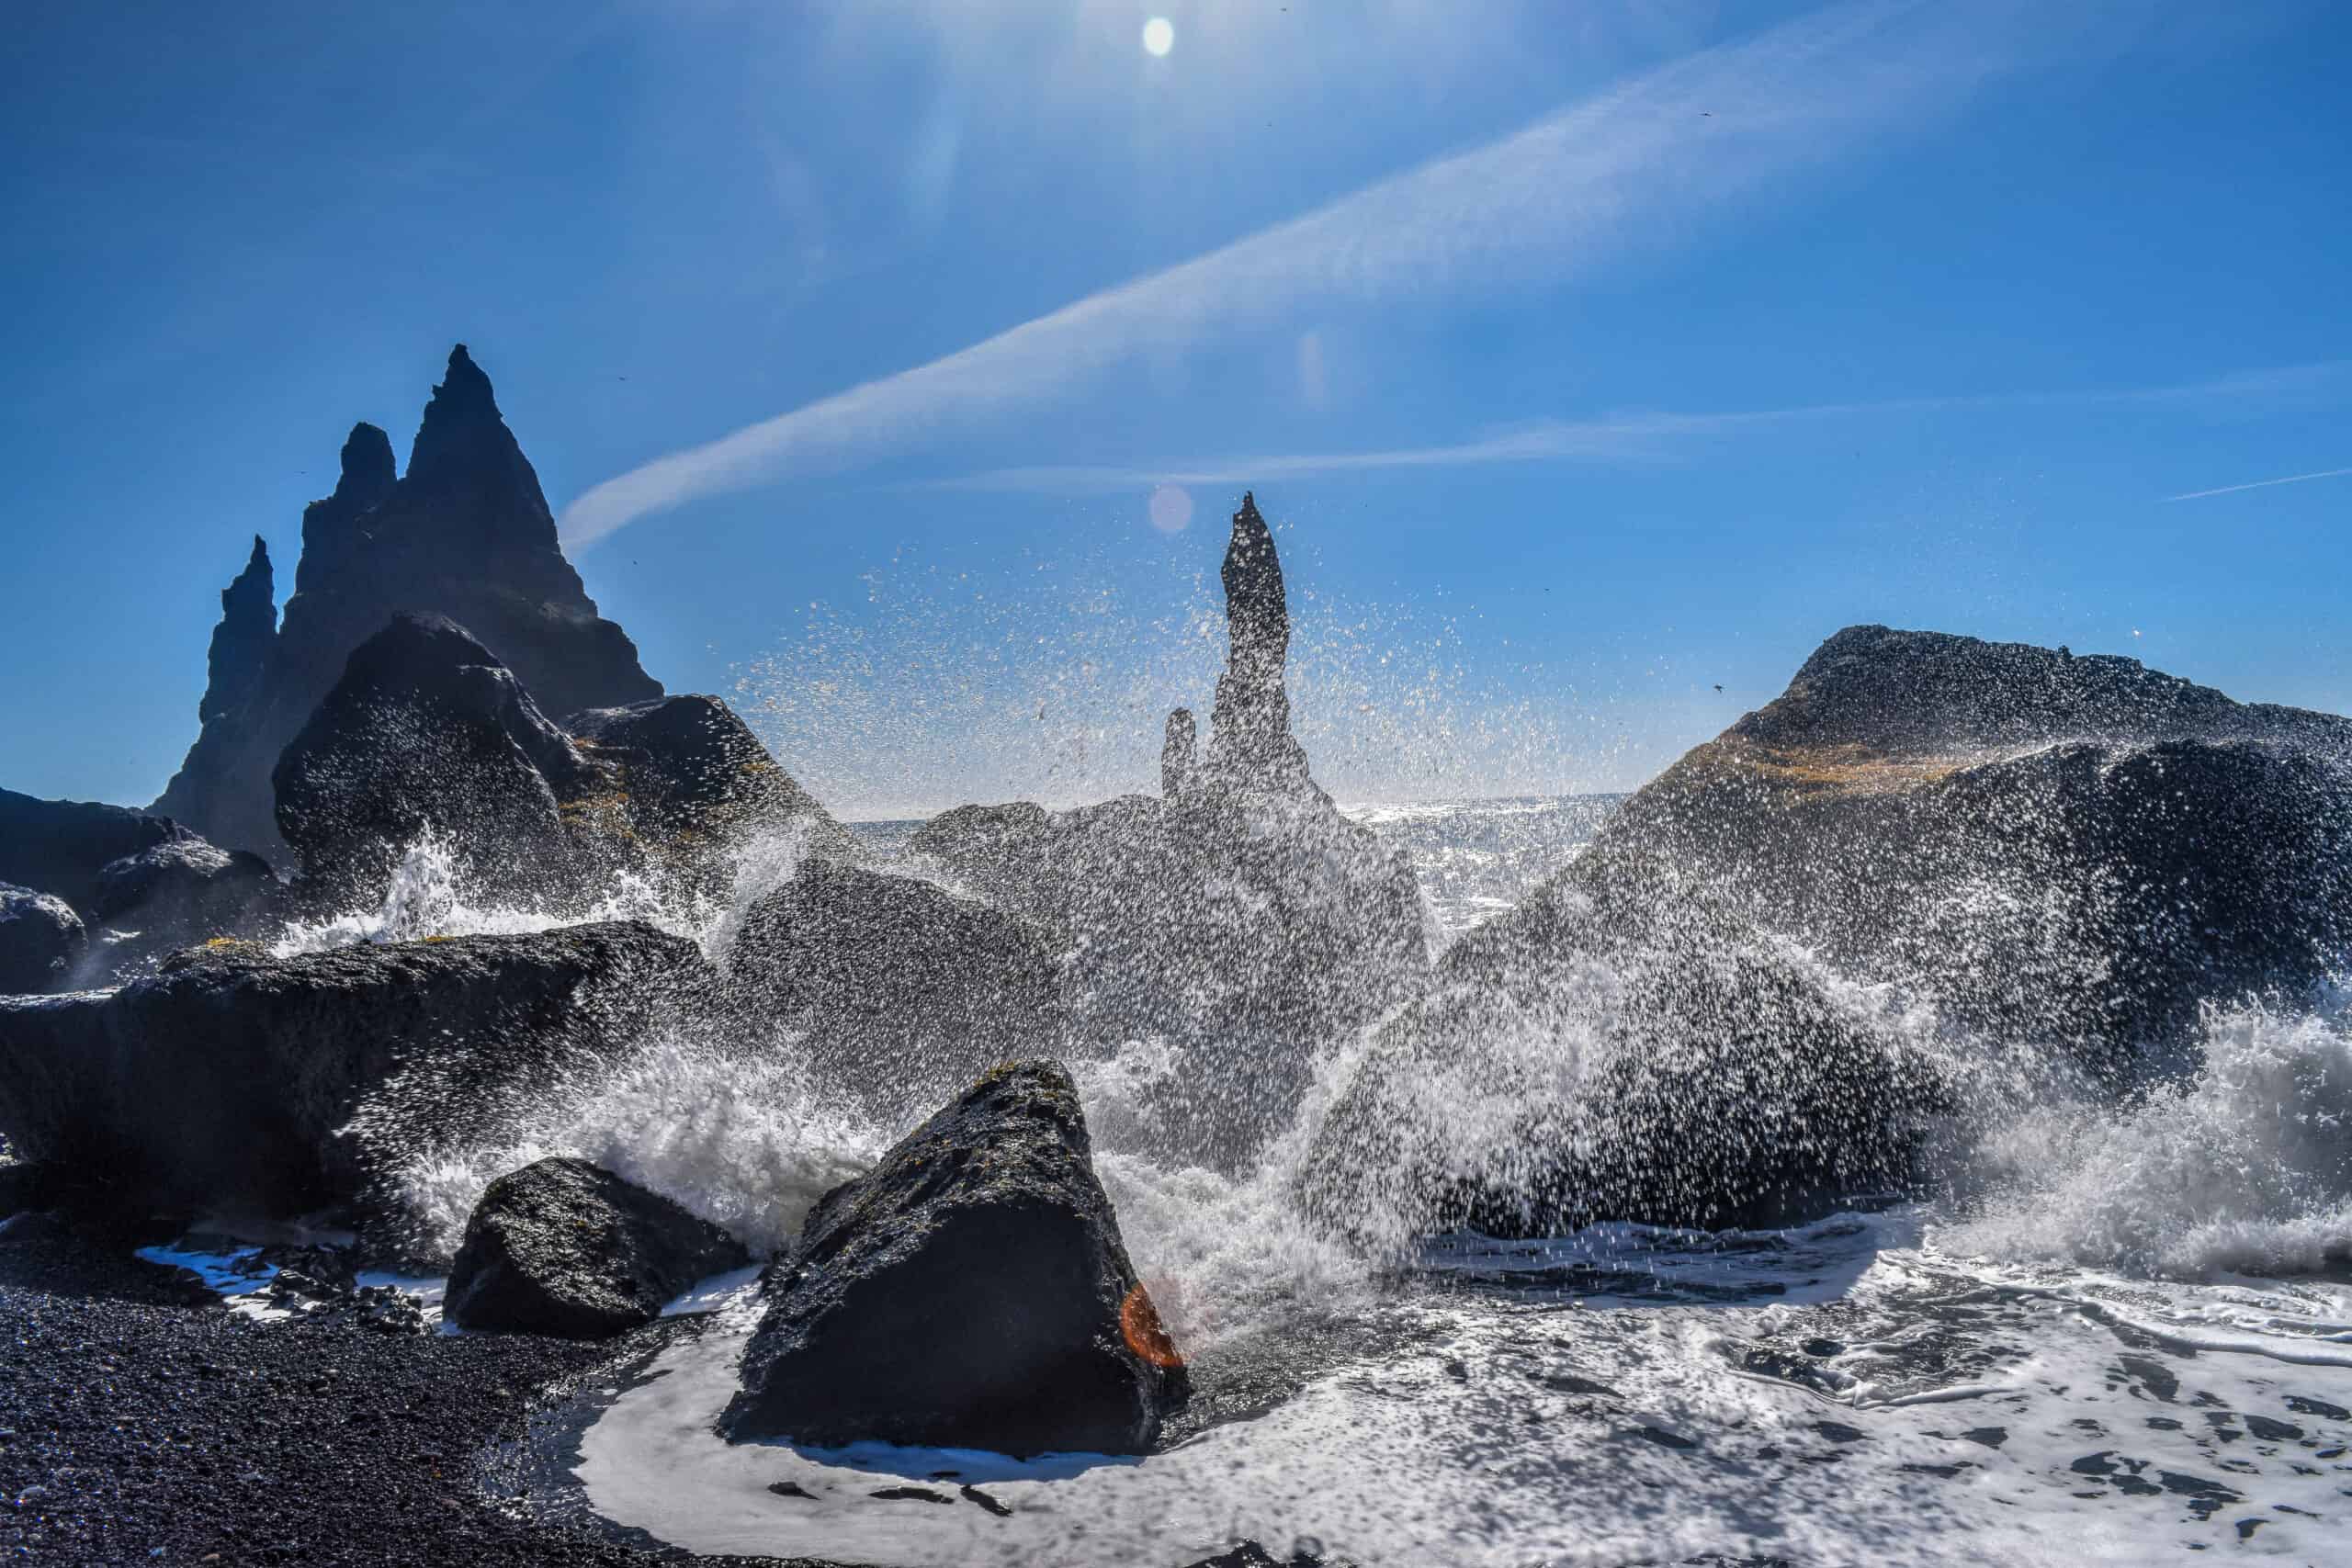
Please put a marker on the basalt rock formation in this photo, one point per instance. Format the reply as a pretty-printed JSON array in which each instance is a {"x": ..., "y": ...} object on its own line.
[
  {"x": 2077, "y": 846},
  {"x": 971, "y": 1291},
  {"x": 426, "y": 732},
  {"x": 239, "y": 1083},
  {"x": 900, "y": 991},
  {"x": 466, "y": 534},
  {"x": 41, "y": 940},
  {"x": 693, "y": 778},
  {"x": 1251, "y": 746},
  {"x": 138, "y": 885},
  {"x": 1238, "y": 915},
  {"x": 564, "y": 1247},
  {"x": 2022, "y": 844}
]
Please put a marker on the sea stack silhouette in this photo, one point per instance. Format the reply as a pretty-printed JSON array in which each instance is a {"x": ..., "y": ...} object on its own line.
[{"x": 466, "y": 534}]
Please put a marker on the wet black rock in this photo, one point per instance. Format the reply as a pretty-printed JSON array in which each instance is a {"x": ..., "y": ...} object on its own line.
[
  {"x": 1714, "y": 1077},
  {"x": 564, "y": 1247},
  {"x": 427, "y": 732},
  {"x": 903, "y": 990},
  {"x": 466, "y": 534},
  {"x": 41, "y": 940},
  {"x": 60, "y": 846},
  {"x": 695, "y": 779},
  {"x": 971, "y": 1291},
  {"x": 237, "y": 1082},
  {"x": 2073, "y": 844},
  {"x": 179, "y": 893}
]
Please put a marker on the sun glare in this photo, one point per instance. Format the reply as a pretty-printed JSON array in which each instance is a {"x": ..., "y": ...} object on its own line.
[{"x": 1159, "y": 35}]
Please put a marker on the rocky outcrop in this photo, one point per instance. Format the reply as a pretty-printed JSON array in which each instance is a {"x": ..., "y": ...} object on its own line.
[
  {"x": 565, "y": 1248},
  {"x": 971, "y": 1291},
  {"x": 61, "y": 846},
  {"x": 428, "y": 733},
  {"x": 2030, "y": 839},
  {"x": 1695, "y": 1021},
  {"x": 237, "y": 1082},
  {"x": 172, "y": 895},
  {"x": 693, "y": 778},
  {"x": 41, "y": 940},
  {"x": 137, "y": 885},
  {"x": 1608, "y": 1054},
  {"x": 901, "y": 990},
  {"x": 1238, "y": 916},
  {"x": 466, "y": 534}
]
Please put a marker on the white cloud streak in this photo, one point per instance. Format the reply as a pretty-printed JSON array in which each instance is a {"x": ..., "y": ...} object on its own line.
[
  {"x": 1565, "y": 194},
  {"x": 2261, "y": 484},
  {"x": 1633, "y": 437}
]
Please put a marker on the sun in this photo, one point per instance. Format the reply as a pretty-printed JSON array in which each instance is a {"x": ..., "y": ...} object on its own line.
[{"x": 1158, "y": 36}]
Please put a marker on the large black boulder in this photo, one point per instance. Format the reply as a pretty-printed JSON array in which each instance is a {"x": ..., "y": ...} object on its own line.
[
  {"x": 428, "y": 732},
  {"x": 902, "y": 990},
  {"x": 566, "y": 1249},
  {"x": 41, "y": 940},
  {"x": 695, "y": 779},
  {"x": 234, "y": 1081},
  {"x": 172, "y": 895},
  {"x": 971, "y": 1291}
]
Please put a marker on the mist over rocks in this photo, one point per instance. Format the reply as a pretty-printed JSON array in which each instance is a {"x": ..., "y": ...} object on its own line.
[
  {"x": 901, "y": 990},
  {"x": 466, "y": 534},
  {"x": 693, "y": 776},
  {"x": 237, "y": 1082},
  {"x": 971, "y": 1291},
  {"x": 1238, "y": 914},
  {"x": 2011, "y": 845},
  {"x": 562, "y": 1247},
  {"x": 2074, "y": 846}
]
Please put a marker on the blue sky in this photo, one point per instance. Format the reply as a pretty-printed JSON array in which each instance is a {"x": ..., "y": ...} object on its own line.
[{"x": 1586, "y": 356}]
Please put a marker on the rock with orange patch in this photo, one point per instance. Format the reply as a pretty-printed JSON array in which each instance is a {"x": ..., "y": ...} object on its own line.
[{"x": 971, "y": 1291}]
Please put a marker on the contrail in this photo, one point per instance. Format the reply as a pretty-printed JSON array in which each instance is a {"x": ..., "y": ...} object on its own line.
[
  {"x": 1642, "y": 435},
  {"x": 1551, "y": 200},
  {"x": 2261, "y": 484}
]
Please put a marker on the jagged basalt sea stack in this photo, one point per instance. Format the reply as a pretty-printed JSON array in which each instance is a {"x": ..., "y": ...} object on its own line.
[
  {"x": 971, "y": 1291},
  {"x": 466, "y": 534},
  {"x": 1250, "y": 744}
]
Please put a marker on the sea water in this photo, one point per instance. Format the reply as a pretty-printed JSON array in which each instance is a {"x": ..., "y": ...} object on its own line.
[{"x": 2132, "y": 1340}]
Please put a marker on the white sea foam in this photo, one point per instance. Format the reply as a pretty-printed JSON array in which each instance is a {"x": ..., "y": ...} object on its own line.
[
  {"x": 2245, "y": 1165},
  {"x": 730, "y": 1130},
  {"x": 426, "y": 896}
]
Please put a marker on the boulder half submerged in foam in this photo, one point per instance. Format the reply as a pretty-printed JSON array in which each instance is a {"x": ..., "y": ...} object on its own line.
[{"x": 971, "y": 1291}]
